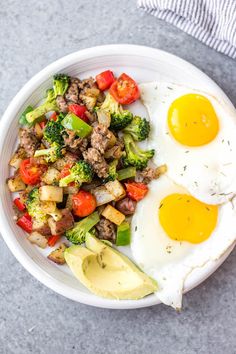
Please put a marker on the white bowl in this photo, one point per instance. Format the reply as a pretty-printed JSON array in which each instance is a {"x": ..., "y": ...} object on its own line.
[{"x": 144, "y": 64}]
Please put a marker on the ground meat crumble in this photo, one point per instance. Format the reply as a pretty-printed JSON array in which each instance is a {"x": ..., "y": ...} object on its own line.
[
  {"x": 106, "y": 230},
  {"x": 101, "y": 138},
  {"x": 97, "y": 161}
]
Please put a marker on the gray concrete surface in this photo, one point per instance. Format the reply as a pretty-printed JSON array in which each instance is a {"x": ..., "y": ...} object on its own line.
[{"x": 33, "y": 318}]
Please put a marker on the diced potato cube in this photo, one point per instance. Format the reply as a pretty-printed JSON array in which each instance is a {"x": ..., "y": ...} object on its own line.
[
  {"x": 15, "y": 161},
  {"x": 51, "y": 176},
  {"x": 57, "y": 256},
  {"x": 116, "y": 189},
  {"x": 17, "y": 157},
  {"x": 113, "y": 215},
  {"x": 102, "y": 195},
  {"x": 38, "y": 239},
  {"x": 51, "y": 193},
  {"x": 15, "y": 184}
]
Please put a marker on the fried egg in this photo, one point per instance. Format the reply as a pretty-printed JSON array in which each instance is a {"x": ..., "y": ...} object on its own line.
[
  {"x": 194, "y": 135},
  {"x": 173, "y": 233}
]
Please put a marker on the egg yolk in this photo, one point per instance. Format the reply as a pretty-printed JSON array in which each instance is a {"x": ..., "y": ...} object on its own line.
[
  {"x": 192, "y": 120},
  {"x": 185, "y": 218}
]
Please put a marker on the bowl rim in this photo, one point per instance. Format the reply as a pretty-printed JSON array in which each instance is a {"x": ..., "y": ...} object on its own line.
[{"x": 15, "y": 104}]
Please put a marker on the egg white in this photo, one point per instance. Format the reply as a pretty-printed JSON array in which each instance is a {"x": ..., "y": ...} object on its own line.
[
  {"x": 170, "y": 262},
  {"x": 208, "y": 171}
]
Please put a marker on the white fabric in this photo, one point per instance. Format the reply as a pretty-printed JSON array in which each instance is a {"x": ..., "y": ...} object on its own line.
[{"x": 213, "y": 22}]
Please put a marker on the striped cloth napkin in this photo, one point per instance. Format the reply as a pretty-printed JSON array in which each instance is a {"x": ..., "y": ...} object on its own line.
[{"x": 211, "y": 21}]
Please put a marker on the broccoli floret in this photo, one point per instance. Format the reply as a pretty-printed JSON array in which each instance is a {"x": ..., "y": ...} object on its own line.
[
  {"x": 78, "y": 233},
  {"x": 139, "y": 128},
  {"x": 50, "y": 96},
  {"x": 81, "y": 172},
  {"x": 134, "y": 155},
  {"x": 48, "y": 106},
  {"x": 52, "y": 154},
  {"x": 23, "y": 120},
  {"x": 120, "y": 118},
  {"x": 34, "y": 207},
  {"x": 53, "y": 130},
  {"x": 112, "y": 173},
  {"x": 39, "y": 210},
  {"x": 60, "y": 84}
]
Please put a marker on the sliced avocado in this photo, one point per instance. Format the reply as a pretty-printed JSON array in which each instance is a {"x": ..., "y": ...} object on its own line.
[{"x": 107, "y": 272}]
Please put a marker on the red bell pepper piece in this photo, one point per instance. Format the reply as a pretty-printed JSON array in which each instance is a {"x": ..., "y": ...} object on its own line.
[
  {"x": 79, "y": 111},
  {"x": 136, "y": 190},
  {"x": 125, "y": 90},
  {"x": 105, "y": 79},
  {"x": 52, "y": 240},
  {"x": 18, "y": 203},
  {"x": 25, "y": 222}
]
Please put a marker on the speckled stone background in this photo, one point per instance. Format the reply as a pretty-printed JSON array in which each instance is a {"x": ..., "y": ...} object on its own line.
[{"x": 33, "y": 319}]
